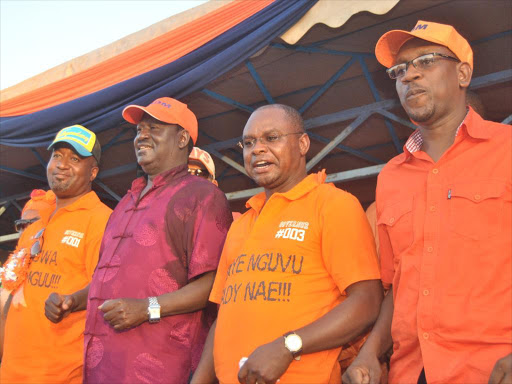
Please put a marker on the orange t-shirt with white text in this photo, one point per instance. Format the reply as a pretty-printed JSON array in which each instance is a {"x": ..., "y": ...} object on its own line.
[
  {"x": 287, "y": 262},
  {"x": 35, "y": 349}
]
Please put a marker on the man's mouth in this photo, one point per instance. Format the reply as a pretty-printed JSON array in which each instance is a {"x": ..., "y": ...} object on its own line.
[
  {"x": 412, "y": 93},
  {"x": 261, "y": 166},
  {"x": 60, "y": 176}
]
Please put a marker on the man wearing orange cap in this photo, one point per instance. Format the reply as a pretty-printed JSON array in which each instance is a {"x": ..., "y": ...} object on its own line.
[
  {"x": 147, "y": 316},
  {"x": 201, "y": 164},
  {"x": 444, "y": 211},
  {"x": 51, "y": 270}
]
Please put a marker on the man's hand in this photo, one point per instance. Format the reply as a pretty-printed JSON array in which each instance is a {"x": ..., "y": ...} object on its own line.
[
  {"x": 502, "y": 372},
  {"x": 57, "y": 307},
  {"x": 364, "y": 370},
  {"x": 125, "y": 313},
  {"x": 266, "y": 364}
]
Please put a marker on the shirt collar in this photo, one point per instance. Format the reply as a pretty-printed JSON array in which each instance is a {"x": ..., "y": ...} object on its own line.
[
  {"x": 87, "y": 201},
  {"x": 472, "y": 124},
  {"x": 160, "y": 179},
  {"x": 304, "y": 187}
]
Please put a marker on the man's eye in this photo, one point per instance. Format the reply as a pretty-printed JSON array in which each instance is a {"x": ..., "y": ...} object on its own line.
[
  {"x": 400, "y": 70},
  {"x": 271, "y": 138},
  {"x": 426, "y": 61},
  {"x": 75, "y": 159},
  {"x": 248, "y": 142}
]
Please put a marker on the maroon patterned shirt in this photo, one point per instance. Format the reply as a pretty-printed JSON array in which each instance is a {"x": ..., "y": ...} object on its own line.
[{"x": 150, "y": 247}]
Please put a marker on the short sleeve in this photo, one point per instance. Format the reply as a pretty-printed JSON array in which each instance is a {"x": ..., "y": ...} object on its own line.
[
  {"x": 209, "y": 228},
  {"x": 348, "y": 246},
  {"x": 220, "y": 277}
]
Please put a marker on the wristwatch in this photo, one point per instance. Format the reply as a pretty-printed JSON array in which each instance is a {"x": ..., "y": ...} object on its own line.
[
  {"x": 154, "y": 310},
  {"x": 293, "y": 343}
]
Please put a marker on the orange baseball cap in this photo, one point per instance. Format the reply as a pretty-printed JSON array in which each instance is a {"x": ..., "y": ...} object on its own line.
[
  {"x": 205, "y": 158},
  {"x": 390, "y": 43},
  {"x": 167, "y": 110}
]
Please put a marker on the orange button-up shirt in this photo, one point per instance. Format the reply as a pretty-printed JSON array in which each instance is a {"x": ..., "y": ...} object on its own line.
[{"x": 445, "y": 233}]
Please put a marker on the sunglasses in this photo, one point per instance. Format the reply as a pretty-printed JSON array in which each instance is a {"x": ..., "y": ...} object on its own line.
[
  {"x": 21, "y": 224},
  {"x": 199, "y": 172},
  {"x": 38, "y": 244}
]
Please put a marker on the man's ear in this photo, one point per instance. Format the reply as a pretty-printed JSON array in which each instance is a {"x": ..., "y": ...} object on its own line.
[
  {"x": 94, "y": 169},
  {"x": 183, "y": 138},
  {"x": 464, "y": 73},
  {"x": 304, "y": 144}
]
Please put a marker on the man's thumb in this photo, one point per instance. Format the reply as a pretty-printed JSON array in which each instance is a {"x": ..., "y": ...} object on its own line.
[{"x": 68, "y": 302}]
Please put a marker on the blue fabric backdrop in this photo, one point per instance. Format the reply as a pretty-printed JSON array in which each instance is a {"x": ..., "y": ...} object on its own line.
[{"x": 102, "y": 110}]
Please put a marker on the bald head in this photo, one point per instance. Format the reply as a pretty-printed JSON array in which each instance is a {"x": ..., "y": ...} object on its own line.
[{"x": 290, "y": 113}]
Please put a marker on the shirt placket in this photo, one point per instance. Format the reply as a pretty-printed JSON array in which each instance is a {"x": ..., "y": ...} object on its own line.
[
  {"x": 118, "y": 237},
  {"x": 430, "y": 253}
]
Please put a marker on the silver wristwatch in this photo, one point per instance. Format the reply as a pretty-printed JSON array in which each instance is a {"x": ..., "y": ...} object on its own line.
[{"x": 154, "y": 310}]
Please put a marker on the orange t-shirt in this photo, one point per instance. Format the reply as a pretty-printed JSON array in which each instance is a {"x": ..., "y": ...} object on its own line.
[
  {"x": 37, "y": 350},
  {"x": 286, "y": 263},
  {"x": 446, "y": 247}
]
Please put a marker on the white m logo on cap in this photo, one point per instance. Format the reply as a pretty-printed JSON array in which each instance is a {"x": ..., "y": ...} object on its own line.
[{"x": 420, "y": 26}]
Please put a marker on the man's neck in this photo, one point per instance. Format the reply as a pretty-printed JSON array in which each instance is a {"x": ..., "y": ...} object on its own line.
[
  {"x": 440, "y": 135},
  {"x": 150, "y": 179}
]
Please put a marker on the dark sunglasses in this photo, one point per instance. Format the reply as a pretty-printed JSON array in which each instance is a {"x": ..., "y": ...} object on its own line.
[
  {"x": 199, "y": 172},
  {"x": 38, "y": 244},
  {"x": 21, "y": 224}
]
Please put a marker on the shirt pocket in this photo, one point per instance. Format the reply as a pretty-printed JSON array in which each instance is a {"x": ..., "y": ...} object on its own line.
[
  {"x": 476, "y": 209},
  {"x": 398, "y": 219}
]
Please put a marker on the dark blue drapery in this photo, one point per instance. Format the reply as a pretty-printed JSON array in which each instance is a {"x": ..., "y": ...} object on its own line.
[{"x": 102, "y": 110}]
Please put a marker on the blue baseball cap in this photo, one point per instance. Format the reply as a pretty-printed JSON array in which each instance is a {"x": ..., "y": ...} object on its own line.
[{"x": 83, "y": 141}]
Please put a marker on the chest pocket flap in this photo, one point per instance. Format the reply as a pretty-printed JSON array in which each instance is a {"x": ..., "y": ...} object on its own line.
[
  {"x": 397, "y": 218},
  {"x": 393, "y": 213},
  {"x": 478, "y": 191}
]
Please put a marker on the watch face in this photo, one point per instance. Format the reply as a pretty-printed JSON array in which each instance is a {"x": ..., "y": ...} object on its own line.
[
  {"x": 293, "y": 342},
  {"x": 154, "y": 313}
]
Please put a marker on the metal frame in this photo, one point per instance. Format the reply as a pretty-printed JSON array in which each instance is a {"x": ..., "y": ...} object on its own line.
[{"x": 358, "y": 115}]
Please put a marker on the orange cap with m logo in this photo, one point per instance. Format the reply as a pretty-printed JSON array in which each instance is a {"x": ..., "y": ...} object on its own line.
[{"x": 390, "y": 43}]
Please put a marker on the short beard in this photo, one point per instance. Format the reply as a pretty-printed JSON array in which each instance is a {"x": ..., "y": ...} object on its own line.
[
  {"x": 58, "y": 187},
  {"x": 421, "y": 116}
]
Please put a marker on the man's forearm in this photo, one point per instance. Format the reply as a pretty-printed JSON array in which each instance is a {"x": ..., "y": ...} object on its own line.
[
  {"x": 205, "y": 372},
  {"x": 192, "y": 297},
  {"x": 379, "y": 341},
  {"x": 345, "y": 321},
  {"x": 80, "y": 299}
]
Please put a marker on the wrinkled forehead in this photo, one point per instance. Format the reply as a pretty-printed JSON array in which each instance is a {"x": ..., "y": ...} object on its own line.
[
  {"x": 267, "y": 120},
  {"x": 416, "y": 47}
]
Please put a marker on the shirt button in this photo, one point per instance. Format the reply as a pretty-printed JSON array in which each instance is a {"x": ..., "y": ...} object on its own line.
[
  {"x": 392, "y": 220},
  {"x": 426, "y": 292},
  {"x": 430, "y": 249},
  {"x": 432, "y": 208},
  {"x": 435, "y": 171},
  {"x": 425, "y": 336},
  {"x": 477, "y": 197}
]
